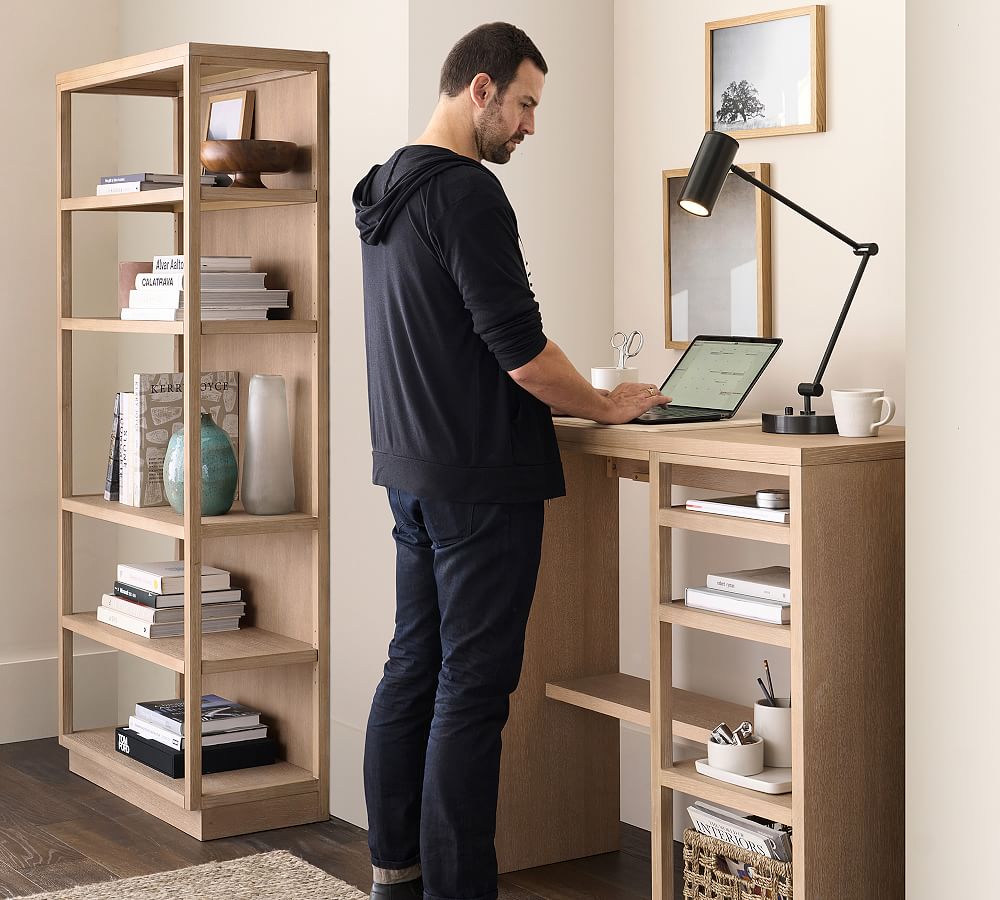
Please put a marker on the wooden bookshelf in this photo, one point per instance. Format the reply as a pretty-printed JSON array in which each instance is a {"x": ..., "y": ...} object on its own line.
[{"x": 279, "y": 663}]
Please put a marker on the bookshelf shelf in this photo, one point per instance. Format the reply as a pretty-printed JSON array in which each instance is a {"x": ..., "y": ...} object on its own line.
[
  {"x": 230, "y": 651},
  {"x": 163, "y": 520},
  {"x": 172, "y": 200},
  {"x": 281, "y": 666},
  {"x": 626, "y": 697},
  {"x": 119, "y": 326},
  {"x": 685, "y": 778},
  {"x": 676, "y": 613},
  {"x": 729, "y": 526}
]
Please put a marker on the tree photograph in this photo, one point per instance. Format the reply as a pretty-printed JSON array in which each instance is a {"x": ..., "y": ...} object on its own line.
[{"x": 740, "y": 101}]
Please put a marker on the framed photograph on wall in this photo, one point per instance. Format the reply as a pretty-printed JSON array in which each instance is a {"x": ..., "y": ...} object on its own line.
[
  {"x": 765, "y": 75},
  {"x": 717, "y": 269},
  {"x": 230, "y": 116}
]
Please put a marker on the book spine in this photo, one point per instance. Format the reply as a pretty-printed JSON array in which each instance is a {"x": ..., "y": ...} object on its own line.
[
  {"x": 124, "y": 490},
  {"x": 138, "y": 466},
  {"x": 151, "y": 733},
  {"x": 142, "y": 580},
  {"x": 111, "y": 480},
  {"x": 147, "y": 280},
  {"x": 122, "y": 179},
  {"x": 750, "y": 589},
  {"x": 162, "y": 264},
  {"x": 119, "y": 620},
  {"x": 736, "y": 606},
  {"x": 162, "y": 759},
  {"x": 136, "y": 595},
  {"x": 126, "y": 187},
  {"x": 129, "y": 608}
]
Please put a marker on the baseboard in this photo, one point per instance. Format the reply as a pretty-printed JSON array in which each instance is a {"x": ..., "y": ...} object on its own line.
[{"x": 29, "y": 687}]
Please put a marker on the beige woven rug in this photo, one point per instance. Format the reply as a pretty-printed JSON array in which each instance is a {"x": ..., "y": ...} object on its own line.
[{"x": 264, "y": 876}]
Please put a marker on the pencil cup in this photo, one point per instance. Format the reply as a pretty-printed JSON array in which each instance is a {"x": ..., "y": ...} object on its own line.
[
  {"x": 774, "y": 725},
  {"x": 609, "y": 377},
  {"x": 740, "y": 759}
]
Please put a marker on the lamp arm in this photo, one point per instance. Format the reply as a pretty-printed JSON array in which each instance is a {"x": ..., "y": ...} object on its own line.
[{"x": 791, "y": 204}]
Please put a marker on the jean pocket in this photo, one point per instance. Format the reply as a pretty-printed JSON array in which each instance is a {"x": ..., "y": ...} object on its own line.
[{"x": 447, "y": 522}]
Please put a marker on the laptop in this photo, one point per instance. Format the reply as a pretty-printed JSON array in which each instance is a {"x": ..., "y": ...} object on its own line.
[{"x": 712, "y": 379}]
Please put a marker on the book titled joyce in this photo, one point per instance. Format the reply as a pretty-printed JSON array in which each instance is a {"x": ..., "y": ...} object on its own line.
[
  {"x": 158, "y": 411},
  {"x": 741, "y": 507},
  {"x": 737, "y": 605},
  {"x": 770, "y": 583},
  {"x": 168, "y": 577},
  {"x": 217, "y": 714}
]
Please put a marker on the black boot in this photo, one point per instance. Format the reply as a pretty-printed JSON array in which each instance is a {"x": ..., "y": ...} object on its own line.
[{"x": 405, "y": 890}]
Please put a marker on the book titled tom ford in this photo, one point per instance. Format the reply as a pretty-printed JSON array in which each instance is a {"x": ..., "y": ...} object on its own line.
[{"x": 158, "y": 411}]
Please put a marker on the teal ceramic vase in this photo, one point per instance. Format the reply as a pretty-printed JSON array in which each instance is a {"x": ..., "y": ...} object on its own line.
[{"x": 218, "y": 470}]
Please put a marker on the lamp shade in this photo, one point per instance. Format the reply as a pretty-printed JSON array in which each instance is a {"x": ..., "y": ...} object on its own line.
[{"x": 708, "y": 173}]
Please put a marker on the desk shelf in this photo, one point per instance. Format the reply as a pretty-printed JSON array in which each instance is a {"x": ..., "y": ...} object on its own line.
[
  {"x": 685, "y": 778},
  {"x": 676, "y": 613},
  {"x": 729, "y": 526}
]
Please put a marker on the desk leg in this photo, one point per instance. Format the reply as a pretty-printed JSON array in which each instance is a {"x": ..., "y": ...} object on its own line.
[{"x": 559, "y": 781}]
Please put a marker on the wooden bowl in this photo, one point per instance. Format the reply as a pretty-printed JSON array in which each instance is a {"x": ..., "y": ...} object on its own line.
[{"x": 247, "y": 159}]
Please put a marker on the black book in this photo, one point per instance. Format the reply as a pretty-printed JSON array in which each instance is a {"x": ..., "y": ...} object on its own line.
[
  {"x": 219, "y": 758},
  {"x": 111, "y": 479},
  {"x": 168, "y": 601}
]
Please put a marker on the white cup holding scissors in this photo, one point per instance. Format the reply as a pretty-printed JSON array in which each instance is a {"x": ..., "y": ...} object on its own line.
[{"x": 609, "y": 377}]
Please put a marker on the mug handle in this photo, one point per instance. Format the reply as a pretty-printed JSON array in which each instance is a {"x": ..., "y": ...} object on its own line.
[{"x": 890, "y": 407}]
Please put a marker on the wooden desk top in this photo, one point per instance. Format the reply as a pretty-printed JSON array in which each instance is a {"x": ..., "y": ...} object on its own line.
[{"x": 740, "y": 439}]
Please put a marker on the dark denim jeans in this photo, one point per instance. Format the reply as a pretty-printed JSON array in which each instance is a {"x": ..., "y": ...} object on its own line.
[{"x": 465, "y": 579}]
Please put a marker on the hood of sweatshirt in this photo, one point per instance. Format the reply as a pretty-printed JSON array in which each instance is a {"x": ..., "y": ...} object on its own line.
[{"x": 385, "y": 190}]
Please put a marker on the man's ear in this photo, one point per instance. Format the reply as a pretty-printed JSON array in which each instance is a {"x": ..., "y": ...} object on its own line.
[{"x": 481, "y": 89}]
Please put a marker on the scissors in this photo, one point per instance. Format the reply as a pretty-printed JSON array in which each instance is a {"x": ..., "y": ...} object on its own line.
[{"x": 626, "y": 345}]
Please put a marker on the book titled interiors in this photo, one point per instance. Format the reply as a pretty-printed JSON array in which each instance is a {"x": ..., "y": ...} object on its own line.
[{"x": 158, "y": 411}]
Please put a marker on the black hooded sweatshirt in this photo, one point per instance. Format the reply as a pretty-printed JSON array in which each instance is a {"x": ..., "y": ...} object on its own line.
[{"x": 448, "y": 313}]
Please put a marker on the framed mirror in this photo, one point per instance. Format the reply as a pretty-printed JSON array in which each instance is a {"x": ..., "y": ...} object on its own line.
[{"x": 717, "y": 270}]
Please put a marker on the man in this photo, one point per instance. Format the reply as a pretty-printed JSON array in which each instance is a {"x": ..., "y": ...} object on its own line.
[{"x": 462, "y": 383}]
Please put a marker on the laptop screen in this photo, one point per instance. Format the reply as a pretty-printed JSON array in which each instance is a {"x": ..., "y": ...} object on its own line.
[{"x": 718, "y": 373}]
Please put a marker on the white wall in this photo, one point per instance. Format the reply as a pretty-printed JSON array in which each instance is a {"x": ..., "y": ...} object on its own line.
[
  {"x": 29, "y": 490},
  {"x": 852, "y": 176},
  {"x": 953, "y": 320}
]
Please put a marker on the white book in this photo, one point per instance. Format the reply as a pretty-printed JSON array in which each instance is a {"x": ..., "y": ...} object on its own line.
[
  {"x": 221, "y": 298},
  {"x": 130, "y": 187},
  {"x": 208, "y": 263},
  {"x": 152, "y": 630},
  {"x": 125, "y": 416},
  {"x": 741, "y": 507},
  {"x": 770, "y": 583},
  {"x": 177, "y": 315},
  {"x": 168, "y": 577},
  {"x": 167, "y": 615},
  {"x": 219, "y": 281},
  {"x": 737, "y": 605},
  {"x": 176, "y": 741}
]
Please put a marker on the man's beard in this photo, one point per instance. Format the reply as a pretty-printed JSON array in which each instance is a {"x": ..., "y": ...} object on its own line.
[{"x": 491, "y": 139}]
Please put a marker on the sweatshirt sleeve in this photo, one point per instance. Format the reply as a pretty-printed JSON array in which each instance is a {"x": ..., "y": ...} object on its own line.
[{"x": 478, "y": 245}]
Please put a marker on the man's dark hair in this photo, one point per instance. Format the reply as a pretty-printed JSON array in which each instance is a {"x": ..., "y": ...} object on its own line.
[{"x": 497, "y": 49}]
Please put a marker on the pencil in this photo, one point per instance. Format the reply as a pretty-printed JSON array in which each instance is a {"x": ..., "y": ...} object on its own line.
[
  {"x": 770, "y": 685},
  {"x": 767, "y": 696}
]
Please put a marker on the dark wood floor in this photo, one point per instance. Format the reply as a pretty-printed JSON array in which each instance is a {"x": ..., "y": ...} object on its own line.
[{"x": 58, "y": 831}]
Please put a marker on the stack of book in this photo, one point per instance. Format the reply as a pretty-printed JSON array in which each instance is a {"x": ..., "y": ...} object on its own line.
[
  {"x": 146, "y": 418},
  {"x": 229, "y": 290},
  {"x": 761, "y": 594},
  {"x": 143, "y": 181},
  {"x": 232, "y": 736},
  {"x": 148, "y": 600}
]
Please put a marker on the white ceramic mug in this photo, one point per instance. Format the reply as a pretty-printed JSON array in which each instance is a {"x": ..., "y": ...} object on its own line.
[
  {"x": 609, "y": 377},
  {"x": 740, "y": 759},
  {"x": 857, "y": 411},
  {"x": 774, "y": 725}
]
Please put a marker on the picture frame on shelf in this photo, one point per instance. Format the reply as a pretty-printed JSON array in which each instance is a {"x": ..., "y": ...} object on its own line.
[
  {"x": 765, "y": 75},
  {"x": 717, "y": 269},
  {"x": 230, "y": 116}
]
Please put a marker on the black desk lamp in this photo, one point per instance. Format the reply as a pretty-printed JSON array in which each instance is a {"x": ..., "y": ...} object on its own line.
[{"x": 698, "y": 195}]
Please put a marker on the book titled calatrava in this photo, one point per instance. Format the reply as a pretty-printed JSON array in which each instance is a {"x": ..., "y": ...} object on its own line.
[{"x": 158, "y": 411}]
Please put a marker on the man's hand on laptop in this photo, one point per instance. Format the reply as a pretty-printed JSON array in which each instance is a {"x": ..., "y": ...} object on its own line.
[{"x": 629, "y": 401}]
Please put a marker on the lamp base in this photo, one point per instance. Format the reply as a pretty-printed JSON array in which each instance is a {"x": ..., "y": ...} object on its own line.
[{"x": 785, "y": 423}]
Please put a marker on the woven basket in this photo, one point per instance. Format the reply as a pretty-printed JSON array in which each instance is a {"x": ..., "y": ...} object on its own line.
[{"x": 704, "y": 880}]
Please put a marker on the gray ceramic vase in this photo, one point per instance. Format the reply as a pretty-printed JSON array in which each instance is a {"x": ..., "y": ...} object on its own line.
[
  {"x": 218, "y": 470},
  {"x": 268, "y": 480}
]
